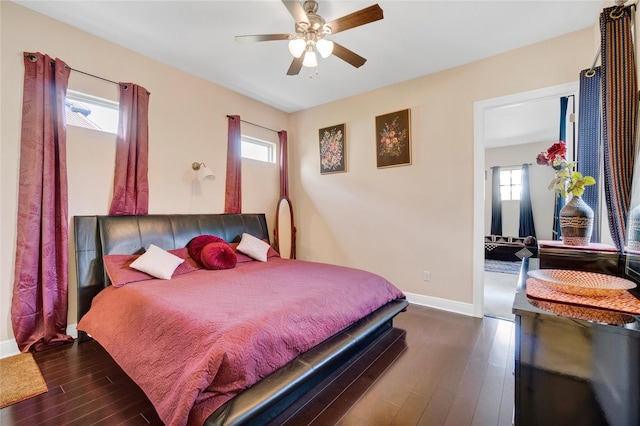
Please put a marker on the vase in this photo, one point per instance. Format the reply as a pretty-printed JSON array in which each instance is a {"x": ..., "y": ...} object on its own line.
[
  {"x": 633, "y": 226},
  {"x": 576, "y": 222}
]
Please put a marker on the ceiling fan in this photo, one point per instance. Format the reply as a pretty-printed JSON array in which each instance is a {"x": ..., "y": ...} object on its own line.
[{"x": 311, "y": 30}]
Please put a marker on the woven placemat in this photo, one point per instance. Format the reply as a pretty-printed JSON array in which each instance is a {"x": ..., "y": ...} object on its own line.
[
  {"x": 20, "y": 379},
  {"x": 624, "y": 302}
]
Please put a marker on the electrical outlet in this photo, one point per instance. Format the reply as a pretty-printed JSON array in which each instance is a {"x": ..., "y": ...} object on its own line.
[{"x": 426, "y": 275}]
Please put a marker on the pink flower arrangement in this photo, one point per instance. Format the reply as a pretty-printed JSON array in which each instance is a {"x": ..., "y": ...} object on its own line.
[
  {"x": 546, "y": 158},
  {"x": 567, "y": 180}
]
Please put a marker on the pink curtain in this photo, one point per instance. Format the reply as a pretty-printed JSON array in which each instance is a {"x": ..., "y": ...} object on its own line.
[
  {"x": 131, "y": 183},
  {"x": 284, "y": 165},
  {"x": 233, "y": 190},
  {"x": 39, "y": 305}
]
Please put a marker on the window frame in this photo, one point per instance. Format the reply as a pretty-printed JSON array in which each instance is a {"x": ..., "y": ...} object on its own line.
[
  {"x": 510, "y": 185},
  {"x": 272, "y": 148},
  {"x": 91, "y": 100}
]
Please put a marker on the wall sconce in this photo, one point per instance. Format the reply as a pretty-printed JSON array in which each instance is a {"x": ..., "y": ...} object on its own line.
[{"x": 203, "y": 172}]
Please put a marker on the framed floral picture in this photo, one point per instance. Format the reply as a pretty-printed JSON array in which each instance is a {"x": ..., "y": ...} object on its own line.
[
  {"x": 393, "y": 139},
  {"x": 332, "y": 149}
]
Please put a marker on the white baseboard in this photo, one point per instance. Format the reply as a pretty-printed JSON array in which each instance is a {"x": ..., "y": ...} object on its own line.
[
  {"x": 10, "y": 347},
  {"x": 442, "y": 304}
]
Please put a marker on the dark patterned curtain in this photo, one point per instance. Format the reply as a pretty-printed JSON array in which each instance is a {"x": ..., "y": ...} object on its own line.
[
  {"x": 496, "y": 202},
  {"x": 526, "y": 228},
  {"x": 40, "y": 303},
  {"x": 589, "y": 141},
  {"x": 619, "y": 115}
]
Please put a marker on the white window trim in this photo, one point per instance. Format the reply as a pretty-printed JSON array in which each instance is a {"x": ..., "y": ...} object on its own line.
[
  {"x": 93, "y": 99},
  {"x": 511, "y": 185},
  {"x": 271, "y": 146}
]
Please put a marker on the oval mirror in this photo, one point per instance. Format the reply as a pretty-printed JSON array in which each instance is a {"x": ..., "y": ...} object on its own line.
[{"x": 285, "y": 230}]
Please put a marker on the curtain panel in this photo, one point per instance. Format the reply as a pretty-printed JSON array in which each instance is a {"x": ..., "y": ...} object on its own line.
[
  {"x": 233, "y": 186},
  {"x": 496, "y": 202},
  {"x": 39, "y": 304},
  {"x": 527, "y": 227},
  {"x": 284, "y": 164},
  {"x": 560, "y": 201},
  {"x": 590, "y": 141},
  {"x": 131, "y": 182},
  {"x": 619, "y": 115}
]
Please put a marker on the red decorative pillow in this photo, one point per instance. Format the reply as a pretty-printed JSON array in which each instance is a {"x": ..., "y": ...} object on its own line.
[
  {"x": 218, "y": 255},
  {"x": 196, "y": 245}
]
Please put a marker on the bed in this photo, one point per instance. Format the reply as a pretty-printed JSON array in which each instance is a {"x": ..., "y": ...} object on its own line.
[{"x": 146, "y": 329}]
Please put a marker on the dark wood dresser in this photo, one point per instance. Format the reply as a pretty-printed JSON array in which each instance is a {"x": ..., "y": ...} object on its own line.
[{"x": 575, "y": 368}]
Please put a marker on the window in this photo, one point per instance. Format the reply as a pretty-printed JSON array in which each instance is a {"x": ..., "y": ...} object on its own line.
[
  {"x": 510, "y": 184},
  {"x": 91, "y": 112},
  {"x": 256, "y": 149}
]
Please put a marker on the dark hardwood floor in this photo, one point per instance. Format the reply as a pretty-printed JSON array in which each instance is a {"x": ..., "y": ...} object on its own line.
[{"x": 432, "y": 368}]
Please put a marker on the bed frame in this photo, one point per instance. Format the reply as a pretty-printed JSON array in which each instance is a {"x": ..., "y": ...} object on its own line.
[{"x": 96, "y": 236}]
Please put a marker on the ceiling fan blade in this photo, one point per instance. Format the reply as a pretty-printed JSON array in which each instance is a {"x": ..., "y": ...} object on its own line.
[
  {"x": 348, "y": 55},
  {"x": 262, "y": 37},
  {"x": 355, "y": 19},
  {"x": 295, "y": 67},
  {"x": 296, "y": 10}
]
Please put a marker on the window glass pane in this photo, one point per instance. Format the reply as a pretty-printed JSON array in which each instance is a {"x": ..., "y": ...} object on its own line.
[
  {"x": 91, "y": 112},
  {"x": 256, "y": 149},
  {"x": 515, "y": 192},
  {"x": 505, "y": 177},
  {"x": 510, "y": 184},
  {"x": 516, "y": 177},
  {"x": 505, "y": 192}
]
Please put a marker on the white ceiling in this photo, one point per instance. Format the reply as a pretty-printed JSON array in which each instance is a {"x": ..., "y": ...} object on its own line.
[
  {"x": 521, "y": 123},
  {"x": 415, "y": 38}
]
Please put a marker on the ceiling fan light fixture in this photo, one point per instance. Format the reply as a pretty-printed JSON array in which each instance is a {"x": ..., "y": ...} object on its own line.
[
  {"x": 310, "y": 59},
  {"x": 325, "y": 47},
  {"x": 297, "y": 47}
]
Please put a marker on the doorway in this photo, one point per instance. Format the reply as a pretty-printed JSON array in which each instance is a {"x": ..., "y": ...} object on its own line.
[{"x": 485, "y": 125}]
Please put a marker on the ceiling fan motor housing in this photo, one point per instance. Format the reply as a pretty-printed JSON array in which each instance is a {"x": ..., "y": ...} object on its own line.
[{"x": 316, "y": 28}]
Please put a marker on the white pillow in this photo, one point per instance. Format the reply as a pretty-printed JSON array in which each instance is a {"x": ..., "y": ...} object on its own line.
[
  {"x": 157, "y": 263},
  {"x": 253, "y": 247}
]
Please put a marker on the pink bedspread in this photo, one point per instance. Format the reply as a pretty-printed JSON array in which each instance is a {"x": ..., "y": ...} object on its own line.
[{"x": 194, "y": 342}]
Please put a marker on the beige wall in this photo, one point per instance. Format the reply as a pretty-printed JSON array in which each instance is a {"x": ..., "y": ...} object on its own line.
[
  {"x": 187, "y": 123},
  {"x": 402, "y": 221}
]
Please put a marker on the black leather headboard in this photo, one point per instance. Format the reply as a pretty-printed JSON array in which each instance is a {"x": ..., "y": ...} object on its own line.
[{"x": 96, "y": 236}]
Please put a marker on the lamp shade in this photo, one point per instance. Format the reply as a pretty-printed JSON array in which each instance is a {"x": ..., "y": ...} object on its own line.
[
  {"x": 310, "y": 59},
  {"x": 325, "y": 47},
  {"x": 297, "y": 46},
  {"x": 205, "y": 173}
]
